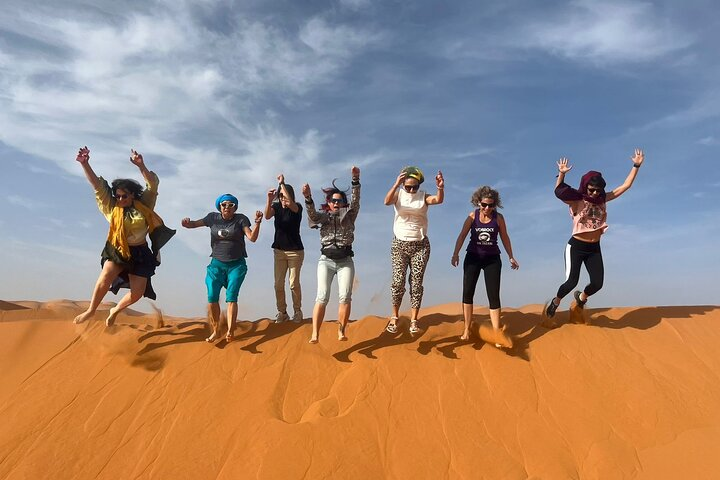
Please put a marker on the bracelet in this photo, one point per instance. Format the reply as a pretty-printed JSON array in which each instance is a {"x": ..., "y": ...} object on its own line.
[
  {"x": 258, "y": 222},
  {"x": 636, "y": 165},
  {"x": 308, "y": 200}
]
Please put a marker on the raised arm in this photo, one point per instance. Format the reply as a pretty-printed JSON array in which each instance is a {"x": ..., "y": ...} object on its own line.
[
  {"x": 455, "y": 260},
  {"x": 637, "y": 160},
  {"x": 252, "y": 233},
  {"x": 438, "y": 198},
  {"x": 392, "y": 194},
  {"x": 269, "y": 211},
  {"x": 355, "y": 200},
  {"x": 312, "y": 213},
  {"x": 150, "y": 178},
  {"x": 293, "y": 206},
  {"x": 187, "y": 223},
  {"x": 83, "y": 157},
  {"x": 563, "y": 168},
  {"x": 505, "y": 238}
]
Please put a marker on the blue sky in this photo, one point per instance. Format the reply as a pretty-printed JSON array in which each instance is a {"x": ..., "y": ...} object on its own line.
[{"x": 222, "y": 96}]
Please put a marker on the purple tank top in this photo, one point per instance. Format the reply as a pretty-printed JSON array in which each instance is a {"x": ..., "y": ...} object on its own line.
[{"x": 483, "y": 236}]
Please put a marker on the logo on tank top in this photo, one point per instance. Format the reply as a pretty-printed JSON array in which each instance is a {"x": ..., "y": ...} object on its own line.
[{"x": 484, "y": 234}]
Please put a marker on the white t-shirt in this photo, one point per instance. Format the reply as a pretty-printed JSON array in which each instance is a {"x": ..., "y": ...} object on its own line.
[{"x": 411, "y": 221}]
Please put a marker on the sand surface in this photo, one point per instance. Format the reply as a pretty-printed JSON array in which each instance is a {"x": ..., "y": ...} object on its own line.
[{"x": 634, "y": 395}]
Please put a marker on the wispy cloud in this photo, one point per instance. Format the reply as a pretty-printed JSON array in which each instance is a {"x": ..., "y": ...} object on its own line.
[{"x": 603, "y": 33}]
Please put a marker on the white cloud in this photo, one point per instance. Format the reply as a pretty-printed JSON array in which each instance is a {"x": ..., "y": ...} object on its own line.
[
  {"x": 709, "y": 141},
  {"x": 605, "y": 33}
]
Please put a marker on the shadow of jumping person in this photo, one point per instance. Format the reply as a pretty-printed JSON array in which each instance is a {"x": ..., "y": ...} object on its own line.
[
  {"x": 646, "y": 317},
  {"x": 386, "y": 339},
  {"x": 196, "y": 334},
  {"x": 270, "y": 332}
]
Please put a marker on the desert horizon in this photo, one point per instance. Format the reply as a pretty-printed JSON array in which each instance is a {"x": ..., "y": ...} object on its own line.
[{"x": 633, "y": 395}]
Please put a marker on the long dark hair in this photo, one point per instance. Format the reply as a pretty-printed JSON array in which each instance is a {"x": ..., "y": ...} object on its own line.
[
  {"x": 129, "y": 185},
  {"x": 329, "y": 192}
]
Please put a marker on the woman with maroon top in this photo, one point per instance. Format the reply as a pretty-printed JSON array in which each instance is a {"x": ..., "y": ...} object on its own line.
[
  {"x": 588, "y": 211},
  {"x": 483, "y": 254}
]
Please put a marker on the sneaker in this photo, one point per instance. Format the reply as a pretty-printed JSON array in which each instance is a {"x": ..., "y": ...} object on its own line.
[
  {"x": 298, "y": 317},
  {"x": 281, "y": 317},
  {"x": 580, "y": 303},
  {"x": 550, "y": 308}
]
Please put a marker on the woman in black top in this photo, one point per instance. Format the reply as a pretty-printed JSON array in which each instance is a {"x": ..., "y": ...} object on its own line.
[{"x": 287, "y": 247}]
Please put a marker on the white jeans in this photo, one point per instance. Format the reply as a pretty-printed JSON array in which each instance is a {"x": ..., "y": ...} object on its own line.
[{"x": 326, "y": 271}]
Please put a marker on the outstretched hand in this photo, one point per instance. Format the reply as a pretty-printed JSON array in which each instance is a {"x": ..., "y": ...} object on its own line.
[
  {"x": 185, "y": 222},
  {"x": 136, "y": 158},
  {"x": 563, "y": 166},
  {"x": 639, "y": 157},
  {"x": 306, "y": 191},
  {"x": 281, "y": 178},
  {"x": 355, "y": 172},
  {"x": 439, "y": 180},
  {"x": 83, "y": 156}
]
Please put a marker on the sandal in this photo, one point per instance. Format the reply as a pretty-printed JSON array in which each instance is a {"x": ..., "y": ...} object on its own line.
[
  {"x": 414, "y": 326},
  {"x": 391, "y": 327}
]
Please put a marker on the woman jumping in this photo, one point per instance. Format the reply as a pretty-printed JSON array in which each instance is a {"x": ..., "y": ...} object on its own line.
[{"x": 588, "y": 211}]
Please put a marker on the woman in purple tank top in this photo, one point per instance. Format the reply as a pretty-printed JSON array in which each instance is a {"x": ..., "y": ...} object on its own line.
[{"x": 483, "y": 254}]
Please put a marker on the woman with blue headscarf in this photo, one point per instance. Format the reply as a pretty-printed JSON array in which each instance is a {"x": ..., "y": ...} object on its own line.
[{"x": 227, "y": 268}]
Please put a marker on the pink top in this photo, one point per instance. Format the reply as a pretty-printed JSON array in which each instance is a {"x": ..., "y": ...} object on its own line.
[{"x": 588, "y": 217}]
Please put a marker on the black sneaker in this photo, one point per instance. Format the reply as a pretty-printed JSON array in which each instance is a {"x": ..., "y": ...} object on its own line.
[
  {"x": 550, "y": 308},
  {"x": 580, "y": 303}
]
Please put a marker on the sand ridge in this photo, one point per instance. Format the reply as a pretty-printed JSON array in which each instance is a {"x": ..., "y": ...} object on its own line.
[{"x": 635, "y": 395}]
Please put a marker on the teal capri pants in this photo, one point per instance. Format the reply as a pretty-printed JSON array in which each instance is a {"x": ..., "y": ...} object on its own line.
[{"x": 225, "y": 274}]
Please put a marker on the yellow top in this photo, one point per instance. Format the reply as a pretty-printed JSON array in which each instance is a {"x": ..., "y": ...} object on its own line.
[{"x": 134, "y": 224}]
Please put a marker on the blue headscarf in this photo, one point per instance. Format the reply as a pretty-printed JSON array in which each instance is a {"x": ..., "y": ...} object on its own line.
[{"x": 225, "y": 197}]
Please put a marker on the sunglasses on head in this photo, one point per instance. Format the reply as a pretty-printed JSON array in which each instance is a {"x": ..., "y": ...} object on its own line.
[
  {"x": 121, "y": 196},
  {"x": 227, "y": 205},
  {"x": 487, "y": 205},
  {"x": 411, "y": 188}
]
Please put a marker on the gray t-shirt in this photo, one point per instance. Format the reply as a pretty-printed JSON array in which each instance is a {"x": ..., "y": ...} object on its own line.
[{"x": 227, "y": 237}]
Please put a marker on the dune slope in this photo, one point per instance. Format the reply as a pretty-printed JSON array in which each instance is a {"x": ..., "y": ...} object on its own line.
[{"x": 634, "y": 395}]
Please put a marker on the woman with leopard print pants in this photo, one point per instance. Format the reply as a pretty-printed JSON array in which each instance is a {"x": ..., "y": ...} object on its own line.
[{"x": 410, "y": 245}]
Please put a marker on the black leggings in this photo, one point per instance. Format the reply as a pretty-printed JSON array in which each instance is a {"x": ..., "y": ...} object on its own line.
[
  {"x": 492, "y": 265},
  {"x": 578, "y": 252}
]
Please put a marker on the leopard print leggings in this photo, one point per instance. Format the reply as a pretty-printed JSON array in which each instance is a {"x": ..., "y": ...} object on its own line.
[{"x": 416, "y": 256}]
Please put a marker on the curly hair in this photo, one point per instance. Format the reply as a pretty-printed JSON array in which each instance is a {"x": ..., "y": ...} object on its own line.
[
  {"x": 129, "y": 185},
  {"x": 485, "y": 192}
]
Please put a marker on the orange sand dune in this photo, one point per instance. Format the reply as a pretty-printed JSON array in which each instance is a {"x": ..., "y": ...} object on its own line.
[{"x": 635, "y": 395}]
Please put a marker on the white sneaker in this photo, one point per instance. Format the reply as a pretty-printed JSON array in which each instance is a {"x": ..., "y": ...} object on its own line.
[
  {"x": 281, "y": 317},
  {"x": 298, "y": 317}
]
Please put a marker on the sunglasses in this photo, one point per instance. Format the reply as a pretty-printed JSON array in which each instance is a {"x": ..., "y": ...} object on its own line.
[
  {"x": 411, "y": 188},
  {"x": 227, "y": 205},
  {"x": 487, "y": 205},
  {"x": 121, "y": 196},
  {"x": 594, "y": 190},
  {"x": 335, "y": 200}
]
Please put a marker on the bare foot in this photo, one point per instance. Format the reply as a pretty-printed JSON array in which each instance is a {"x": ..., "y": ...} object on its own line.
[
  {"x": 341, "y": 333},
  {"x": 229, "y": 337},
  {"x": 83, "y": 316},
  {"x": 214, "y": 336},
  {"x": 314, "y": 338},
  {"x": 465, "y": 336},
  {"x": 110, "y": 320}
]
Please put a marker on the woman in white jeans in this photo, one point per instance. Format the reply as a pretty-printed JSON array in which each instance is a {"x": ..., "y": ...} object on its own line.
[{"x": 336, "y": 221}]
